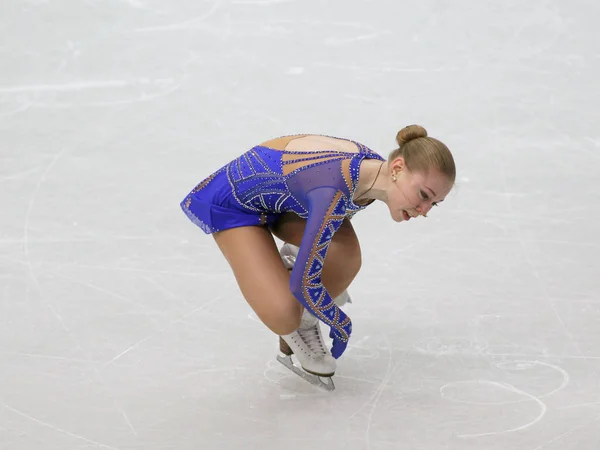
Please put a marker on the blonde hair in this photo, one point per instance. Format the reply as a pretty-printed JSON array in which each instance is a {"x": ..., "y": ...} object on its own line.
[{"x": 422, "y": 153}]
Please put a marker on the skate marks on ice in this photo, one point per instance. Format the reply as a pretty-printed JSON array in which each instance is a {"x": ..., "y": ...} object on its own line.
[
  {"x": 78, "y": 81},
  {"x": 469, "y": 391},
  {"x": 194, "y": 22},
  {"x": 494, "y": 407},
  {"x": 94, "y": 69},
  {"x": 57, "y": 429},
  {"x": 94, "y": 93}
]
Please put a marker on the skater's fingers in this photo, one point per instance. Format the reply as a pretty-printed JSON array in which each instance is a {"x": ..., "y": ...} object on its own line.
[
  {"x": 338, "y": 348},
  {"x": 339, "y": 344}
]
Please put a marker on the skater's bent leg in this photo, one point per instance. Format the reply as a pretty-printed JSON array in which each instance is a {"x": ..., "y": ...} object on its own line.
[
  {"x": 263, "y": 279},
  {"x": 343, "y": 260}
]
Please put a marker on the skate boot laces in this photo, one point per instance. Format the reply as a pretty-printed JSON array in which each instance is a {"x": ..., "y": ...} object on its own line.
[{"x": 313, "y": 340}]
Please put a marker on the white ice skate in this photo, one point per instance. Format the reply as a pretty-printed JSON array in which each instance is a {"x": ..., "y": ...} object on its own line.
[
  {"x": 317, "y": 366},
  {"x": 306, "y": 343}
]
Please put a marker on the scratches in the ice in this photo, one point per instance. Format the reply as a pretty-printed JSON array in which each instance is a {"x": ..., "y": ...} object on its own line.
[
  {"x": 521, "y": 364},
  {"x": 187, "y": 24},
  {"x": 58, "y": 358},
  {"x": 28, "y": 262},
  {"x": 17, "y": 175},
  {"x": 424, "y": 240},
  {"x": 567, "y": 433},
  {"x": 114, "y": 401},
  {"x": 361, "y": 380},
  {"x": 17, "y": 110},
  {"x": 127, "y": 350},
  {"x": 82, "y": 85},
  {"x": 141, "y": 98},
  {"x": 32, "y": 200},
  {"x": 126, "y": 418},
  {"x": 354, "y": 39},
  {"x": 211, "y": 370},
  {"x": 129, "y": 269},
  {"x": 526, "y": 397},
  {"x": 260, "y": 2},
  {"x": 179, "y": 319},
  {"x": 102, "y": 290},
  {"x": 546, "y": 355},
  {"x": 534, "y": 270},
  {"x": 87, "y": 266},
  {"x": 379, "y": 391},
  {"x": 376, "y": 395},
  {"x": 166, "y": 291},
  {"x": 386, "y": 68},
  {"x": 46, "y": 303},
  {"x": 570, "y": 243},
  {"x": 501, "y": 217},
  {"x": 510, "y": 388},
  {"x": 95, "y": 239},
  {"x": 135, "y": 4},
  {"x": 57, "y": 429},
  {"x": 161, "y": 87},
  {"x": 581, "y": 405}
]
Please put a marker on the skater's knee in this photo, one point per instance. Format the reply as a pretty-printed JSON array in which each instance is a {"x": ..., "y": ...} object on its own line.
[
  {"x": 283, "y": 328},
  {"x": 284, "y": 325},
  {"x": 284, "y": 319}
]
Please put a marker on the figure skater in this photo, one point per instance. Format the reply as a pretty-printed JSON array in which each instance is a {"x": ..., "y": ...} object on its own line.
[{"x": 304, "y": 189}]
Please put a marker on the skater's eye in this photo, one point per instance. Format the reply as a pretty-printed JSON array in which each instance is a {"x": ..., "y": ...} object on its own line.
[{"x": 425, "y": 196}]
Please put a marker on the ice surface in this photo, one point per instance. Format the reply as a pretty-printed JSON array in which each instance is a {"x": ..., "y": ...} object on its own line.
[{"x": 121, "y": 326}]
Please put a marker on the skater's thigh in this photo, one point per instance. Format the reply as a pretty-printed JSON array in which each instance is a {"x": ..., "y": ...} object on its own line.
[
  {"x": 344, "y": 246},
  {"x": 263, "y": 279}
]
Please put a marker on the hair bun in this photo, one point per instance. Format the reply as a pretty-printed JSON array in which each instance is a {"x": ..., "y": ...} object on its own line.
[{"x": 409, "y": 133}]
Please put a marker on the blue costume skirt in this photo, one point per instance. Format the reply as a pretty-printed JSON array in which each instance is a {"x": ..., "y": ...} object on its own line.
[{"x": 213, "y": 207}]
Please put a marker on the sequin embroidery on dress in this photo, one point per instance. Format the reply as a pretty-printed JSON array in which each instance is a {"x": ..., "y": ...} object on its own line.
[{"x": 264, "y": 182}]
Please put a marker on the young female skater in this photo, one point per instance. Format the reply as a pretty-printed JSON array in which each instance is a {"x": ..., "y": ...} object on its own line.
[{"x": 303, "y": 189}]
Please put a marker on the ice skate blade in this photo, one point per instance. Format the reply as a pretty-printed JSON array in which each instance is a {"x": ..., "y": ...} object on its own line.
[{"x": 315, "y": 380}]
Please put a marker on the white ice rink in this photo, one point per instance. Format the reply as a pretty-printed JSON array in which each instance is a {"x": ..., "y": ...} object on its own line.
[{"x": 121, "y": 326}]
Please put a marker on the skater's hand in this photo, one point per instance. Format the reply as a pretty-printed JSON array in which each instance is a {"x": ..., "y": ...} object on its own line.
[
  {"x": 339, "y": 343},
  {"x": 338, "y": 348}
]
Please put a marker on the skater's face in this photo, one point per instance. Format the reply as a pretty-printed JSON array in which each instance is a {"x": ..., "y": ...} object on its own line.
[{"x": 413, "y": 194}]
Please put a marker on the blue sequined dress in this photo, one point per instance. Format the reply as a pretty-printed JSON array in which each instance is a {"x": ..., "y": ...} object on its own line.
[{"x": 260, "y": 185}]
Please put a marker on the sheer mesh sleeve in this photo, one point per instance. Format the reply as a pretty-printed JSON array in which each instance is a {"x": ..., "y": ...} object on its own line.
[
  {"x": 326, "y": 210},
  {"x": 322, "y": 184}
]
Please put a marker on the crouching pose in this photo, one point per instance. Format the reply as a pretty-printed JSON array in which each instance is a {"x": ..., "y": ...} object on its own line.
[{"x": 304, "y": 189}]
